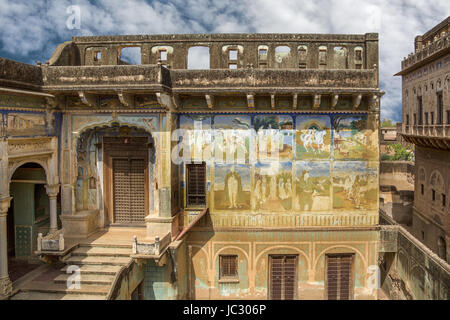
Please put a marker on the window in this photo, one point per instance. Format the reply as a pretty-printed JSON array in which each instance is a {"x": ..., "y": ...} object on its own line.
[
  {"x": 432, "y": 117},
  {"x": 97, "y": 55},
  {"x": 407, "y": 119},
  {"x": 163, "y": 55},
  {"x": 444, "y": 200},
  {"x": 440, "y": 111},
  {"x": 433, "y": 194},
  {"x": 232, "y": 66},
  {"x": 302, "y": 52},
  {"x": 232, "y": 54},
  {"x": 196, "y": 184},
  {"x": 448, "y": 116},
  {"x": 302, "y": 65},
  {"x": 322, "y": 57},
  {"x": 263, "y": 54},
  {"x": 421, "y": 189},
  {"x": 420, "y": 109},
  {"x": 228, "y": 266},
  {"x": 339, "y": 279},
  {"x": 415, "y": 119},
  {"x": 130, "y": 55},
  {"x": 358, "y": 66},
  {"x": 423, "y": 235},
  {"x": 198, "y": 58},
  {"x": 442, "y": 250},
  {"x": 426, "y": 118},
  {"x": 358, "y": 54}
]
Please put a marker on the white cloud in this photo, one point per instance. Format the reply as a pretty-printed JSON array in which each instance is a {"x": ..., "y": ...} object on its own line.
[{"x": 31, "y": 29}]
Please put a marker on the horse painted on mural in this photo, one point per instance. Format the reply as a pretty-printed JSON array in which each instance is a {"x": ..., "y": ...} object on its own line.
[{"x": 313, "y": 136}]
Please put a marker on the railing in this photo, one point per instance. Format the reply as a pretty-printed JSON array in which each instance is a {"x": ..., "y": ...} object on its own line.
[
  {"x": 432, "y": 130},
  {"x": 434, "y": 47},
  {"x": 153, "y": 248},
  {"x": 51, "y": 242}
]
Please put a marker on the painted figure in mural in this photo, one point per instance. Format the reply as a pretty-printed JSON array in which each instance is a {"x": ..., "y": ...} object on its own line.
[
  {"x": 273, "y": 188},
  {"x": 233, "y": 187},
  {"x": 306, "y": 193}
]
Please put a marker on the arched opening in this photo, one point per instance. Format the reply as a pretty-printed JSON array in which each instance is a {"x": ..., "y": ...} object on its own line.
[
  {"x": 198, "y": 58},
  {"x": 28, "y": 215},
  {"x": 115, "y": 166}
]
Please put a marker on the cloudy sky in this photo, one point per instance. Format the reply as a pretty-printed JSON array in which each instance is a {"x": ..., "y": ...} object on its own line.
[{"x": 31, "y": 30}]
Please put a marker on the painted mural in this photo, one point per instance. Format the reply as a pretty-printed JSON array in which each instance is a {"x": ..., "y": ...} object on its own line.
[
  {"x": 198, "y": 135},
  {"x": 272, "y": 187},
  {"x": 353, "y": 139},
  {"x": 232, "y": 187},
  {"x": 355, "y": 185},
  {"x": 313, "y": 186},
  {"x": 232, "y": 138},
  {"x": 275, "y": 137},
  {"x": 24, "y": 124},
  {"x": 313, "y": 139}
]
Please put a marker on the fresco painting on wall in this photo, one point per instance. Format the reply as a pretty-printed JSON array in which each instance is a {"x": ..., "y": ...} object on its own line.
[
  {"x": 232, "y": 138},
  {"x": 272, "y": 187},
  {"x": 199, "y": 138},
  {"x": 266, "y": 128},
  {"x": 313, "y": 186},
  {"x": 355, "y": 185},
  {"x": 313, "y": 140},
  {"x": 22, "y": 124},
  {"x": 352, "y": 138},
  {"x": 232, "y": 187}
]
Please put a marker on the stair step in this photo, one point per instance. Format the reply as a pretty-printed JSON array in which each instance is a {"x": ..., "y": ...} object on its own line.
[
  {"x": 102, "y": 251},
  {"x": 96, "y": 269},
  {"x": 80, "y": 260},
  {"x": 50, "y": 287},
  {"x": 99, "y": 279},
  {"x": 30, "y": 295}
]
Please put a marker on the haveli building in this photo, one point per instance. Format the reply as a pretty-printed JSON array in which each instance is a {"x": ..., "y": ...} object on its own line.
[
  {"x": 426, "y": 124},
  {"x": 254, "y": 179}
]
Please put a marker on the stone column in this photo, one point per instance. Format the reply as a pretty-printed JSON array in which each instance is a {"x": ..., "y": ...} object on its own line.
[
  {"x": 5, "y": 282},
  {"x": 52, "y": 192}
]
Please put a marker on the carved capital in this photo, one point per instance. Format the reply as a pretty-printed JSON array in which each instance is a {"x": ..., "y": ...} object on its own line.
[
  {"x": 272, "y": 101},
  {"x": 4, "y": 205},
  {"x": 52, "y": 190},
  {"x": 294, "y": 101}
]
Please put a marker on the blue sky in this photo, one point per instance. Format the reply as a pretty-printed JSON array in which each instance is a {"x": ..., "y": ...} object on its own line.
[{"x": 31, "y": 30}]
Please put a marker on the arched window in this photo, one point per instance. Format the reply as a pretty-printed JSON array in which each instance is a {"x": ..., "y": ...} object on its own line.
[{"x": 322, "y": 57}]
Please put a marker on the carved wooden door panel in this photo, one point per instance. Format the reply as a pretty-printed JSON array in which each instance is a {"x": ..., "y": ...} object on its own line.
[
  {"x": 339, "y": 277},
  {"x": 126, "y": 180},
  {"x": 283, "y": 277}
]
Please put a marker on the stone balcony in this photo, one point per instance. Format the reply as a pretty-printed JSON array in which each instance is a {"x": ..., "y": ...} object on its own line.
[{"x": 432, "y": 136}]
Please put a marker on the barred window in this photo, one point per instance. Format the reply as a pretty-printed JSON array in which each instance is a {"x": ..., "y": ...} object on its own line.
[
  {"x": 196, "y": 184},
  {"x": 228, "y": 266}
]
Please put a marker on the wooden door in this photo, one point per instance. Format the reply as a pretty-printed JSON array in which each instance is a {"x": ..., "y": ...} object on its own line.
[
  {"x": 339, "y": 277},
  {"x": 126, "y": 180},
  {"x": 283, "y": 277}
]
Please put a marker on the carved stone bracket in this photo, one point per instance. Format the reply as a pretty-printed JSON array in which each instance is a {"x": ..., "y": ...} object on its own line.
[
  {"x": 334, "y": 101},
  {"x": 209, "y": 101},
  {"x": 126, "y": 99},
  {"x": 357, "y": 101},
  {"x": 176, "y": 101},
  {"x": 88, "y": 99},
  {"x": 317, "y": 99},
  {"x": 272, "y": 101},
  {"x": 165, "y": 101},
  {"x": 294, "y": 101},
  {"x": 374, "y": 103},
  {"x": 251, "y": 101}
]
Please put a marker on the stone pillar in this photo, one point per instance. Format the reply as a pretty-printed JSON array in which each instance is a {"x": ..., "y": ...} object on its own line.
[
  {"x": 52, "y": 192},
  {"x": 5, "y": 282}
]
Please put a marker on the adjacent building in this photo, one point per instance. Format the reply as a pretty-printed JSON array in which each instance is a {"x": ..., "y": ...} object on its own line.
[{"x": 426, "y": 124}]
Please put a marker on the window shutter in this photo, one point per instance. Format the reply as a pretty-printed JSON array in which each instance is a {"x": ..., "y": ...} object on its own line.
[
  {"x": 196, "y": 184},
  {"x": 339, "y": 277}
]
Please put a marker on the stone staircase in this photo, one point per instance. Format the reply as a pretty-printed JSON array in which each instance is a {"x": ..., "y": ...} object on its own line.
[{"x": 99, "y": 266}]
